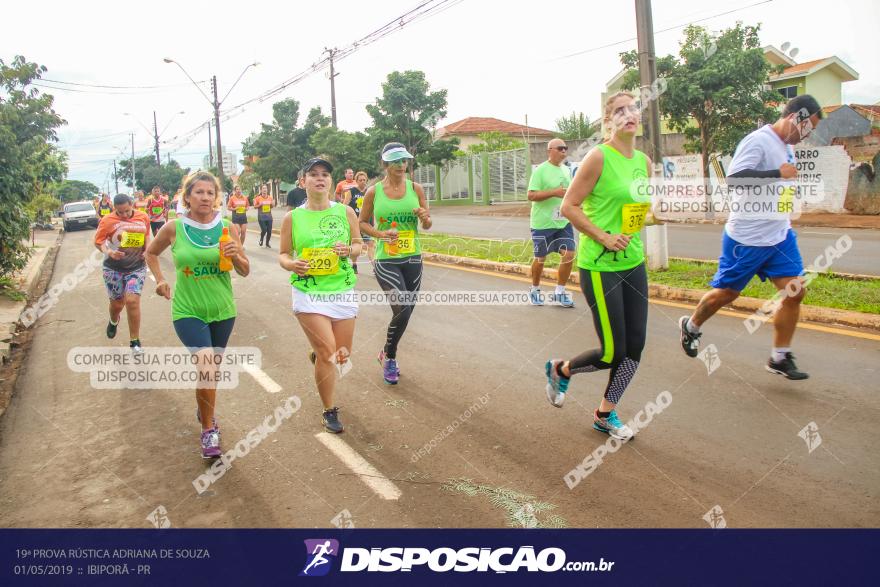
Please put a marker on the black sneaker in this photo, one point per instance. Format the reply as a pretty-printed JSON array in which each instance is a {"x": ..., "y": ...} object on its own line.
[
  {"x": 787, "y": 368},
  {"x": 689, "y": 342},
  {"x": 135, "y": 346},
  {"x": 331, "y": 421},
  {"x": 111, "y": 329}
]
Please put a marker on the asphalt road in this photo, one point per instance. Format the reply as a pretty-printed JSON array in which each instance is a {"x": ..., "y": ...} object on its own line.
[
  {"x": 697, "y": 241},
  {"x": 471, "y": 397}
]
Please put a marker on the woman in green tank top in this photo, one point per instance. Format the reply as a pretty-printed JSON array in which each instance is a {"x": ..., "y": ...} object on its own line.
[
  {"x": 600, "y": 205},
  {"x": 203, "y": 309},
  {"x": 318, "y": 241},
  {"x": 399, "y": 208}
]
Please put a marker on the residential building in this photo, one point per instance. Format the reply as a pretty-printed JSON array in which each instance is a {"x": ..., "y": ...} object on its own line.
[
  {"x": 230, "y": 163},
  {"x": 468, "y": 130}
]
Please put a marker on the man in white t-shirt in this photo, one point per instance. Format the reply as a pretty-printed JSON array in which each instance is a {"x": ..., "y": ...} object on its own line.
[{"x": 758, "y": 238}]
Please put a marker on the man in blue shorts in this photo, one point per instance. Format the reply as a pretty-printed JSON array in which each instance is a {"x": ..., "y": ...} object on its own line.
[
  {"x": 757, "y": 242},
  {"x": 551, "y": 231}
]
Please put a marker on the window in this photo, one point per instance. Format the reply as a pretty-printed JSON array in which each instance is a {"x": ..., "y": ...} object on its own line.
[
  {"x": 788, "y": 92},
  {"x": 86, "y": 207}
]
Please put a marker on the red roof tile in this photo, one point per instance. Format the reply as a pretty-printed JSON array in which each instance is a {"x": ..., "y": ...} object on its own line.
[
  {"x": 475, "y": 125},
  {"x": 802, "y": 67}
]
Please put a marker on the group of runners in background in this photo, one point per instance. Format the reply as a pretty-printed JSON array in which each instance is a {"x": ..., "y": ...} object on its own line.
[{"x": 324, "y": 234}]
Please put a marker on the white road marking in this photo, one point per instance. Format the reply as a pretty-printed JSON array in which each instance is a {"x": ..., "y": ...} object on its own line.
[
  {"x": 262, "y": 378},
  {"x": 822, "y": 233},
  {"x": 371, "y": 476}
]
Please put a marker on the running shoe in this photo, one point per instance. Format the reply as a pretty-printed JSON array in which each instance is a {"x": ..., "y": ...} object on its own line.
[
  {"x": 211, "y": 443},
  {"x": 689, "y": 342},
  {"x": 136, "y": 347},
  {"x": 535, "y": 297},
  {"x": 213, "y": 419},
  {"x": 389, "y": 369},
  {"x": 111, "y": 329},
  {"x": 563, "y": 299},
  {"x": 331, "y": 421},
  {"x": 556, "y": 384},
  {"x": 787, "y": 368},
  {"x": 612, "y": 426}
]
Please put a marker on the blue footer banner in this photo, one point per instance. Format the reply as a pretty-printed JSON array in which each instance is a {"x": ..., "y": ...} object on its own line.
[{"x": 439, "y": 557}]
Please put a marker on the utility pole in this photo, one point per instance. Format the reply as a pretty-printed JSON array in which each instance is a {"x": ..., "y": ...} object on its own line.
[
  {"x": 115, "y": 178},
  {"x": 156, "y": 139},
  {"x": 133, "y": 188},
  {"x": 658, "y": 246},
  {"x": 210, "y": 147},
  {"x": 217, "y": 130},
  {"x": 333, "y": 75}
]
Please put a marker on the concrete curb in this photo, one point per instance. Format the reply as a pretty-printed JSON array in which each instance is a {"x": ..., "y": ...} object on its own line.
[
  {"x": 29, "y": 280},
  {"x": 665, "y": 292}
]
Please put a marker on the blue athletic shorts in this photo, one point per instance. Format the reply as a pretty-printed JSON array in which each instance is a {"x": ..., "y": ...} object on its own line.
[
  {"x": 552, "y": 240},
  {"x": 739, "y": 262},
  {"x": 195, "y": 334}
]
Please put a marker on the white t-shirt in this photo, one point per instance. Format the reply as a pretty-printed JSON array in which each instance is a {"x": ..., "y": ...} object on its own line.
[{"x": 761, "y": 150}]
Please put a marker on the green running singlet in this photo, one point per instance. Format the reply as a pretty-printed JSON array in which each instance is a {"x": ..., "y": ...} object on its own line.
[
  {"x": 202, "y": 291},
  {"x": 313, "y": 234},
  {"x": 386, "y": 211},
  {"x": 612, "y": 208}
]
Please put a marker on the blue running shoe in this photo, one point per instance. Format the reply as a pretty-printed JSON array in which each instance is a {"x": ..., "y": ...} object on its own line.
[
  {"x": 556, "y": 384},
  {"x": 563, "y": 299},
  {"x": 390, "y": 371},
  {"x": 612, "y": 426},
  {"x": 536, "y": 298}
]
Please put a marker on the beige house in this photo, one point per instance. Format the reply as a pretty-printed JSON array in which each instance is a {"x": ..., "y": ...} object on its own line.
[
  {"x": 821, "y": 78},
  {"x": 467, "y": 131}
]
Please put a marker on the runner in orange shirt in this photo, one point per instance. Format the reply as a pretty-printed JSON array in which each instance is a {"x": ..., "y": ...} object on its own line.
[
  {"x": 344, "y": 186},
  {"x": 123, "y": 236},
  {"x": 264, "y": 204},
  {"x": 157, "y": 209},
  {"x": 140, "y": 202},
  {"x": 238, "y": 204}
]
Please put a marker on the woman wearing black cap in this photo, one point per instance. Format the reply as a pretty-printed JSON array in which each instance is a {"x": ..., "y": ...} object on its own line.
[
  {"x": 398, "y": 206},
  {"x": 318, "y": 240}
]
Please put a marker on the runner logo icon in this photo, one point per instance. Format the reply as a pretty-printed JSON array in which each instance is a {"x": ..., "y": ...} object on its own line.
[{"x": 320, "y": 554}]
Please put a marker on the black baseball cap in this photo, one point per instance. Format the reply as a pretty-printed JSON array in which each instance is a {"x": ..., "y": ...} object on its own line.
[
  {"x": 316, "y": 161},
  {"x": 803, "y": 103}
]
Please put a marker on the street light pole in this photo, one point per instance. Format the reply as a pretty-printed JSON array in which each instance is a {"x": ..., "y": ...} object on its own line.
[
  {"x": 210, "y": 147},
  {"x": 333, "y": 75},
  {"x": 656, "y": 236},
  {"x": 156, "y": 138},
  {"x": 133, "y": 187},
  {"x": 115, "y": 178},
  {"x": 217, "y": 131}
]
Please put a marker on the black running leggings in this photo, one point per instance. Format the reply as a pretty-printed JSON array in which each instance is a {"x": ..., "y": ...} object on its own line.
[
  {"x": 401, "y": 279},
  {"x": 265, "y": 227},
  {"x": 619, "y": 302}
]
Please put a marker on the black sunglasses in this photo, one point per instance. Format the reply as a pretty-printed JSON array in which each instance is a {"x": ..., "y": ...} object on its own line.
[{"x": 561, "y": 149}]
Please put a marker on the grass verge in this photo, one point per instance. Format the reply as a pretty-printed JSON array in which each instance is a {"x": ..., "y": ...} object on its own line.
[{"x": 827, "y": 289}]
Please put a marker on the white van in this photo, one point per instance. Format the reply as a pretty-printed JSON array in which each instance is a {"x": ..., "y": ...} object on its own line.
[{"x": 79, "y": 214}]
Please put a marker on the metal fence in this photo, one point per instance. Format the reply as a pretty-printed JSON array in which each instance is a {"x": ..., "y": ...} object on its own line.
[
  {"x": 501, "y": 177},
  {"x": 507, "y": 175}
]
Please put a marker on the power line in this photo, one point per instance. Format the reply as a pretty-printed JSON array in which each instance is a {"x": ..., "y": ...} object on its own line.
[
  {"x": 40, "y": 84},
  {"x": 55, "y": 81},
  {"x": 672, "y": 28}
]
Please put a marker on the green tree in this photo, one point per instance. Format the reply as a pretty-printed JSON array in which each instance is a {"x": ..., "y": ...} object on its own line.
[
  {"x": 74, "y": 190},
  {"x": 42, "y": 207},
  {"x": 407, "y": 112},
  {"x": 167, "y": 176},
  {"x": 28, "y": 159},
  {"x": 575, "y": 126},
  {"x": 345, "y": 150},
  {"x": 226, "y": 186},
  {"x": 715, "y": 90},
  {"x": 281, "y": 148},
  {"x": 495, "y": 141},
  {"x": 249, "y": 182}
]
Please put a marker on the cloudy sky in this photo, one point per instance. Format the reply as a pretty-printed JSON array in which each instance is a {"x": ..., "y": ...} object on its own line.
[{"x": 501, "y": 59}]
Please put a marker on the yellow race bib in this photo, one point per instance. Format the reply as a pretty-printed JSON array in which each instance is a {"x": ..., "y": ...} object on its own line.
[
  {"x": 267, "y": 207},
  {"x": 104, "y": 211},
  {"x": 359, "y": 202},
  {"x": 240, "y": 210},
  {"x": 633, "y": 217},
  {"x": 786, "y": 200},
  {"x": 132, "y": 240},
  {"x": 321, "y": 261},
  {"x": 406, "y": 242}
]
